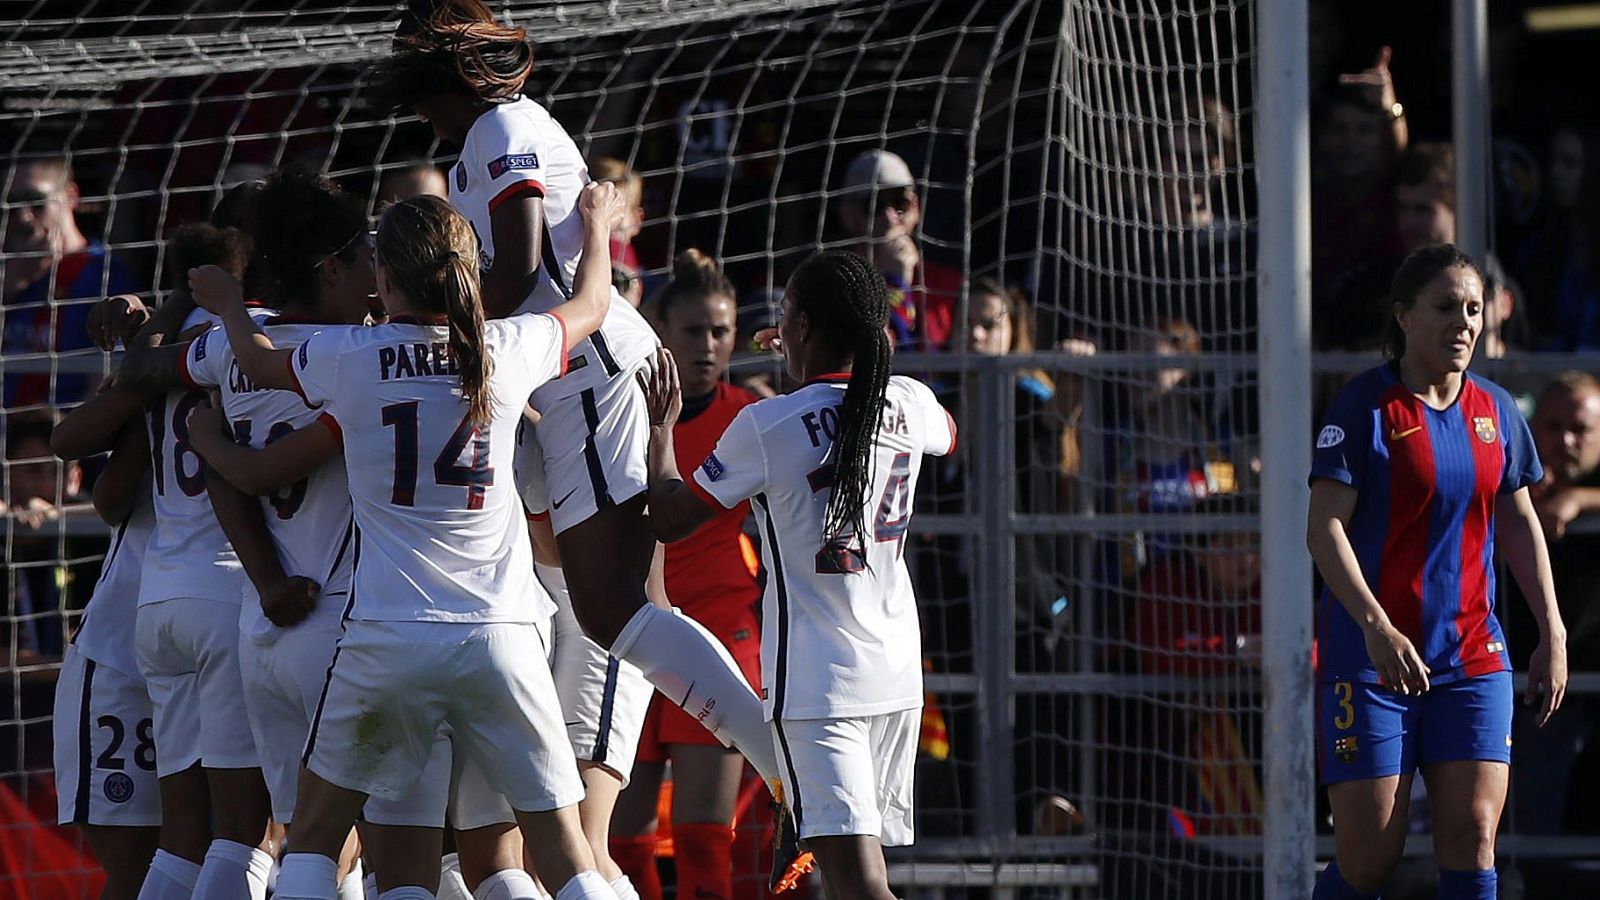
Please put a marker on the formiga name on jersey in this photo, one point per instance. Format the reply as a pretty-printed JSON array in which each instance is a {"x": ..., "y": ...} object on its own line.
[
  {"x": 415, "y": 360},
  {"x": 825, "y": 422}
]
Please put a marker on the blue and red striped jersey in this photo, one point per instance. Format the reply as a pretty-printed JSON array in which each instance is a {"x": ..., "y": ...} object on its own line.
[{"x": 1423, "y": 526}]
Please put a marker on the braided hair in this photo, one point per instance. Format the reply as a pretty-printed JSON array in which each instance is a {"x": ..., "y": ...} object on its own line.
[
  {"x": 846, "y": 300},
  {"x": 431, "y": 255},
  {"x": 453, "y": 47},
  {"x": 300, "y": 219}
]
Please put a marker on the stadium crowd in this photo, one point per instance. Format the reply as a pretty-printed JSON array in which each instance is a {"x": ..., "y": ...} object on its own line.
[{"x": 1174, "y": 440}]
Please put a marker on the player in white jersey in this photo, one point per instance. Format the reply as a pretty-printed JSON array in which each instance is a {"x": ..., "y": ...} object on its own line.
[
  {"x": 831, "y": 469},
  {"x": 104, "y": 742},
  {"x": 516, "y": 181},
  {"x": 187, "y": 631},
  {"x": 441, "y": 624}
]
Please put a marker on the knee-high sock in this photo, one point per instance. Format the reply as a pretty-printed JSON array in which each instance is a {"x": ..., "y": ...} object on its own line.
[
  {"x": 307, "y": 876},
  {"x": 636, "y": 857},
  {"x": 232, "y": 871},
  {"x": 1475, "y": 884},
  {"x": 623, "y": 888},
  {"x": 691, "y": 668},
  {"x": 170, "y": 878},
  {"x": 451, "y": 885},
  {"x": 1332, "y": 886},
  {"x": 507, "y": 884},
  {"x": 586, "y": 886},
  {"x": 352, "y": 886},
  {"x": 705, "y": 859}
]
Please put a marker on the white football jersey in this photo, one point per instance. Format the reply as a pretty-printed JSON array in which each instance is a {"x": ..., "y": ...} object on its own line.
[
  {"x": 842, "y": 637},
  {"x": 440, "y": 533},
  {"x": 310, "y": 520},
  {"x": 518, "y": 146},
  {"x": 188, "y": 555},
  {"x": 106, "y": 635}
]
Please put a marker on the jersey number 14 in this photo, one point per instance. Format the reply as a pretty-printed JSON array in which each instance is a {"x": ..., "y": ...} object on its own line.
[{"x": 476, "y": 476}]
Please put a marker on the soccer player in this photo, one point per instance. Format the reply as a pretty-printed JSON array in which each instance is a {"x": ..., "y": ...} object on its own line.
[
  {"x": 441, "y": 627},
  {"x": 105, "y": 758},
  {"x": 831, "y": 468},
  {"x": 1419, "y": 469},
  {"x": 517, "y": 181},
  {"x": 709, "y": 577}
]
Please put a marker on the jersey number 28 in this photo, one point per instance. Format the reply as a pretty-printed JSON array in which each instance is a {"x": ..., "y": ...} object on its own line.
[{"x": 476, "y": 476}]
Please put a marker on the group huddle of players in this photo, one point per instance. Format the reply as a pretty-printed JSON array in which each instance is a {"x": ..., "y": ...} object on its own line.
[{"x": 388, "y": 507}]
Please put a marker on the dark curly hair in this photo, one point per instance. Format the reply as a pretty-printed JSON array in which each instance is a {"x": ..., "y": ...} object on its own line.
[
  {"x": 299, "y": 219},
  {"x": 453, "y": 47}
]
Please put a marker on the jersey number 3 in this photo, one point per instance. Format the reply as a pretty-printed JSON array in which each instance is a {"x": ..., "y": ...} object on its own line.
[
  {"x": 476, "y": 476},
  {"x": 893, "y": 519}
]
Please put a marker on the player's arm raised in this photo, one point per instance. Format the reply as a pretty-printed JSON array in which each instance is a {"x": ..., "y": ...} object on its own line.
[
  {"x": 1521, "y": 544},
  {"x": 219, "y": 293},
  {"x": 272, "y": 468},
  {"x": 675, "y": 510},
  {"x": 1328, "y": 538},
  {"x": 95, "y": 425},
  {"x": 602, "y": 207},
  {"x": 125, "y": 475}
]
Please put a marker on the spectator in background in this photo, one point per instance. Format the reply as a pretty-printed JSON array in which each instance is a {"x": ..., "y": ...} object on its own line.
[
  {"x": 606, "y": 168},
  {"x": 1557, "y": 263},
  {"x": 1553, "y": 794},
  {"x": 413, "y": 179},
  {"x": 880, "y": 211},
  {"x": 37, "y": 487},
  {"x": 628, "y": 283},
  {"x": 52, "y": 275},
  {"x": 1360, "y": 134}
]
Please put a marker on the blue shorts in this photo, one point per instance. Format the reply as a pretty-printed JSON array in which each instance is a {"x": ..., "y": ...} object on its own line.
[{"x": 1368, "y": 731}]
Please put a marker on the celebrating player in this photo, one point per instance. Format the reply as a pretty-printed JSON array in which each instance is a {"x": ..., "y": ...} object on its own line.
[
  {"x": 441, "y": 623},
  {"x": 832, "y": 468},
  {"x": 517, "y": 180},
  {"x": 709, "y": 578},
  {"x": 1419, "y": 468}
]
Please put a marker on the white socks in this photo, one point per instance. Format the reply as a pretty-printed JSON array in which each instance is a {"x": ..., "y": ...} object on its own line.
[
  {"x": 170, "y": 878},
  {"x": 233, "y": 871},
  {"x": 409, "y": 892},
  {"x": 692, "y": 669},
  {"x": 586, "y": 886},
  {"x": 353, "y": 887},
  {"x": 307, "y": 876},
  {"x": 507, "y": 884},
  {"x": 624, "y": 889},
  {"x": 451, "y": 885}
]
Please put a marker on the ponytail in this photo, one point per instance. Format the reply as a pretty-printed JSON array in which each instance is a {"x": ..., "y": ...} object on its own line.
[
  {"x": 847, "y": 300},
  {"x": 454, "y": 47},
  {"x": 694, "y": 276},
  {"x": 431, "y": 255}
]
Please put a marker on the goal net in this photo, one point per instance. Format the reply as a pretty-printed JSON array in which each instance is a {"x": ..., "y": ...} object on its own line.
[{"x": 1077, "y": 283}]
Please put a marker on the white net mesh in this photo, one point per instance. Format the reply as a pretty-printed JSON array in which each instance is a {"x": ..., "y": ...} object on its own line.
[{"x": 1083, "y": 564}]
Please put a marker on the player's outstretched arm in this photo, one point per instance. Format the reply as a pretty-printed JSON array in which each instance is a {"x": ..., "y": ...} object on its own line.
[
  {"x": 1520, "y": 539},
  {"x": 125, "y": 475},
  {"x": 95, "y": 425},
  {"x": 602, "y": 207},
  {"x": 1398, "y": 663},
  {"x": 517, "y": 223},
  {"x": 675, "y": 510},
  {"x": 260, "y": 472},
  {"x": 263, "y": 363}
]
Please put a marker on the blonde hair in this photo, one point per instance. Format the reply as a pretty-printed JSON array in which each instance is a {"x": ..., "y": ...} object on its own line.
[
  {"x": 431, "y": 255},
  {"x": 608, "y": 168}
]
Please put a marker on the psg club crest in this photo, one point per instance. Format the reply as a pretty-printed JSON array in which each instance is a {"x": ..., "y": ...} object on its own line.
[
  {"x": 461, "y": 177},
  {"x": 1346, "y": 749},
  {"x": 1484, "y": 427},
  {"x": 119, "y": 787}
]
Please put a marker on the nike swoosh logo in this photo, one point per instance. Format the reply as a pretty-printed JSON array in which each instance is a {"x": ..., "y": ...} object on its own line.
[
  {"x": 1397, "y": 435},
  {"x": 557, "y": 504}
]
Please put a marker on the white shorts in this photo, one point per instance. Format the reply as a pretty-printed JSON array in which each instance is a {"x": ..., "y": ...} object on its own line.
[
  {"x": 105, "y": 751},
  {"x": 189, "y": 655},
  {"x": 850, "y": 776},
  {"x": 282, "y": 683},
  {"x": 603, "y": 699},
  {"x": 594, "y": 444},
  {"x": 393, "y": 684}
]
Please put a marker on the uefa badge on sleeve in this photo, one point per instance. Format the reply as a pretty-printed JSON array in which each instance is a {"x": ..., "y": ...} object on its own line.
[
  {"x": 1484, "y": 427},
  {"x": 461, "y": 176}
]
